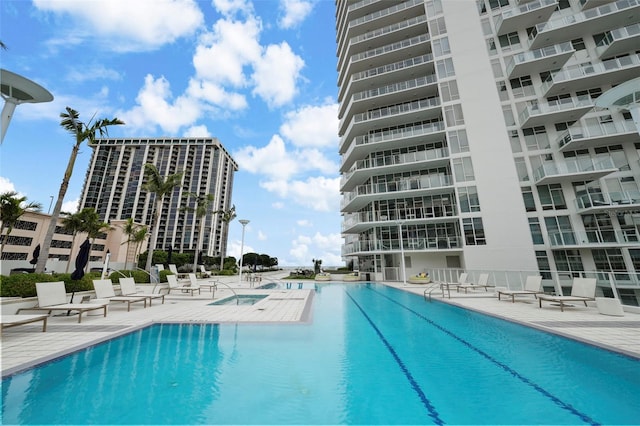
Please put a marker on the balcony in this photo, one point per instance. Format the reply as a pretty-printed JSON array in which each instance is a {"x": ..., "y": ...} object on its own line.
[
  {"x": 361, "y": 221},
  {"x": 590, "y": 4},
  {"x": 408, "y": 244},
  {"x": 400, "y": 137},
  {"x": 619, "y": 41},
  {"x": 594, "y": 238},
  {"x": 562, "y": 110},
  {"x": 406, "y": 112},
  {"x": 415, "y": 187},
  {"x": 585, "y": 76},
  {"x": 539, "y": 60},
  {"x": 363, "y": 170},
  {"x": 584, "y": 169},
  {"x": 608, "y": 202},
  {"x": 525, "y": 16},
  {"x": 583, "y": 137},
  {"x": 592, "y": 21}
]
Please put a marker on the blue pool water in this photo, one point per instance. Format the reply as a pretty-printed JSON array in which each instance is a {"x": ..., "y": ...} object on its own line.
[
  {"x": 240, "y": 299},
  {"x": 370, "y": 355}
]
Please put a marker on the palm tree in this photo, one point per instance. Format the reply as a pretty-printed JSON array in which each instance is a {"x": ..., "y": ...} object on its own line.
[
  {"x": 11, "y": 208},
  {"x": 227, "y": 216},
  {"x": 138, "y": 238},
  {"x": 72, "y": 223},
  {"x": 202, "y": 208},
  {"x": 82, "y": 132},
  {"x": 160, "y": 186},
  {"x": 93, "y": 226},
  {"x": 130, "y": 229}
]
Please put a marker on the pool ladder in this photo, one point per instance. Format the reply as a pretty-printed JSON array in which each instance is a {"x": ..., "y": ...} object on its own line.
[{"x": 430, "y": 288}]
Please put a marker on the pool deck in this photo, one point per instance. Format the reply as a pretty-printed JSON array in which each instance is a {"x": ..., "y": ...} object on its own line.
[{"x": 26, "y": 345}]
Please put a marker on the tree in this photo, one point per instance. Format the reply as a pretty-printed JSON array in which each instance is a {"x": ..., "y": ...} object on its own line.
[
  {"x": 227, "y": 217},
  {"x": 201, "y": 209},
  {"x": 82, "y": 132},
  {"x": 93, "y": 226},
  {"x": 130, "y": 229},
  {"x": 72, "y": 222},
  {"x": 138, "y": 238},
  {"x": 159, "y": 186},
  {"x": 317, "y": 265},
  {"x": 11, "y": 208}
]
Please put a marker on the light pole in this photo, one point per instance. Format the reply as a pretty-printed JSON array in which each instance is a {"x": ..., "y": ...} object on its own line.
[
  {"x": 404, "y": 271},
  {"x": 243, "y": 222}
]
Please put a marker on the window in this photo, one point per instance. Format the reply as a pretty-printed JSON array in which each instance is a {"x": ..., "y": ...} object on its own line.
[
  {"x": 514, "y": 139},
  {"x": 438, "y": 26},
  {"x": 445, "y": 68},
  {"x": 508, "y": 41},
  {"x": 527, "y": 195},
  {"x": 522, "y": 86},
  {"x": 615, "y": 153},
  {"x": 453, "y": 115},
  {"x": 26, "y": 225},
  {"x": 591, "y": 93},
  {"x": 509, "y": 118},
  {"x": 463, "y": 169},
  {"x": 599, "y": 228},
  {"x": 502, "y": 90},
  {"x": 543, "y": 264},
  {"x": 559, "y": 230},
  {"x": 473, "y": 231},
  {"x": 536, "y": 230},
  {"x": 458, "y": 141},
  {"x": 536, "y": 138},
  {"x": 496, "y": 66},
  {"x": 578, "y": 44},
  {"x": 469, "y": 201},
  {"x": 568, "y": 261},
  {"x": 521, "y": 169},
  {"x": 449, "y": 91},
  {"x": 495, "y": 4},
  {"x": 551, "y": 197},
  {"x": 441, "y": 47},
  {"x": 610, "y": 260}
]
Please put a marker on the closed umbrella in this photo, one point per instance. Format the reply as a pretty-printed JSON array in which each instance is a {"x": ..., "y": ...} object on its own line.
[
  {"x": 169, "y": 254},
  {"x": 81, "y": 260},
  {"x": 36, "y": 255}
]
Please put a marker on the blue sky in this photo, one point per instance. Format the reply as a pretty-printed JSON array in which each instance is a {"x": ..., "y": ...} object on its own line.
[{"x": 259, "y": 76}]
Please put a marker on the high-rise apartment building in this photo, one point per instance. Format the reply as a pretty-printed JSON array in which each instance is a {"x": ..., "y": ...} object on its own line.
[
  {"x": 116, "y": 175},
  {"x": 469, "y": 137}
]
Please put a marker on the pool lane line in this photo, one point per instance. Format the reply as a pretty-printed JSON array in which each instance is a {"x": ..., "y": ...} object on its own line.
[
  {"x": 564, "y": 405},
  {"x": 414, "y": 385}
]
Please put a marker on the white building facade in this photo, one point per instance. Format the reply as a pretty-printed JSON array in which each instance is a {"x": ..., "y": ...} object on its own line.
[
  {"x": 116, "y": 176},
  {"x": 469, "y": 138}
]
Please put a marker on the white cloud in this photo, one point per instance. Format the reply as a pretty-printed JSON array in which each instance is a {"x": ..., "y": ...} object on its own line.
[
  {"x": 200, "y": 131},
  {"x": 271, "y": 160},
  {"x": 155, "y": 110},
  {"x": 312, "y": 126},
  {"x": 222, "y": 55},
  {"x": 215, "y": 94},
  {"x": 303, "y": 222},
  {"x": 279, "y": 205},
  {"x": 276, "y": 74},
  {"x": 71, "y": 206},
  {"x": 6, "y": 185},
  {"x": 230, "y": 7},
  {"x": 316, "y": 193},
  {"x": 262, "y": 236},
  {"x": 324, "y": 247},
  {"x": 234, "y": 249},
  {"x": 92, "y": 72},
  {"x": 125, "y": 25},
  {"x": 295, "y": 11}
]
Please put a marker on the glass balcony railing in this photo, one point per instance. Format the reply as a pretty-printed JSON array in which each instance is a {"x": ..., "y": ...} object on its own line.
[
  {"x": 408, "y": 244},
  {"x": 422, "y": 182},
  {"x": 435, "y": 211},
  {"x": 607, "y": 199},
  {"x": 616, "y": 35},
  {"x": 533, "y": 55},
  {"x": 577, "y": 133},
  {"x": 585, "y": 70},
  {"x": 541, "y": 108},
  {"x": 581, "y": 165},
  {"x": 589, "y": 237}
]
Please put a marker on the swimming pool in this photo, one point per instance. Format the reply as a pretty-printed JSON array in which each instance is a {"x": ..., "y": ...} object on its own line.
[
  {"x": 370, "y": 355},
  {"x": 240, "y": 299}
]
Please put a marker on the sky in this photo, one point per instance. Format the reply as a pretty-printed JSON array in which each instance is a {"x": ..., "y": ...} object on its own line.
[{"x": 259, "y": 76}]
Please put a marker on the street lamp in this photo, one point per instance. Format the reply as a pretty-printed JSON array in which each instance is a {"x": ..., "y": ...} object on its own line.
[
  {"x": 404, "y": 271},
  {"x": 243, "y": 222}
]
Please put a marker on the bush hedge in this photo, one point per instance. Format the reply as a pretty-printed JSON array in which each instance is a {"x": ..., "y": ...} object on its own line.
[{"x": 24, "y": 285}]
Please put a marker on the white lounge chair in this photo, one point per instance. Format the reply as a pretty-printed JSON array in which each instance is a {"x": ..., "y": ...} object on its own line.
[
  {"x": 462, "y": 279},
  {"x": 582, "y": 290},
  {"x": 174, "y": 286},
  {"x": 532, "y": 286},
  {"x": 13, "y": 320},
  {"x": 104, "y": 290},
  {"x": 483, "y": 282},
  {"x": 193, "y": 281},
  {"x": 128, "y": 288},
  {"x": 174, "y": 270},
  {"x": 52, "y": 296}
]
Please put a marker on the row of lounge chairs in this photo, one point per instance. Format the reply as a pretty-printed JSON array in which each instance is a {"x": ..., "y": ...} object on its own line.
[
  {"x": 52, "y": 297},
  {"x": 582, "y": 290}
]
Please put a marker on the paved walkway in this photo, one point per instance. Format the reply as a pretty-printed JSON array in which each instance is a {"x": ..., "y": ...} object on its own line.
[{"x": 26, "y": 345}]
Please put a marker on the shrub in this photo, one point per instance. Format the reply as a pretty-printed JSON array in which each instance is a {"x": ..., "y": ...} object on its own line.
[
  {"x": 138, "y": 276},
  {"x": 226, "y": 272},
  {"x": 24, "y": 285},
  {"x": 163, "y": 276}
]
